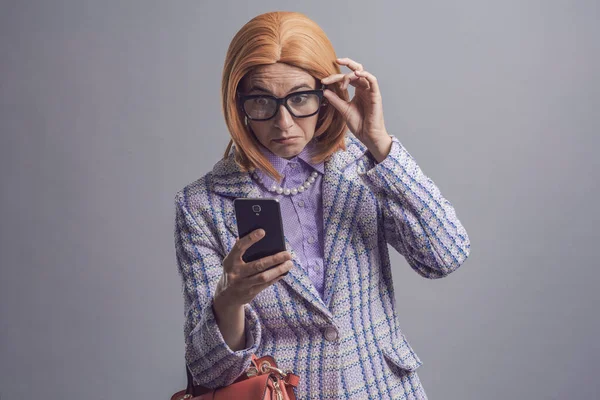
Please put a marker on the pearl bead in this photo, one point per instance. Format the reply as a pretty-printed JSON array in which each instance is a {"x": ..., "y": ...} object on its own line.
[{"x": 279, "y": 190}]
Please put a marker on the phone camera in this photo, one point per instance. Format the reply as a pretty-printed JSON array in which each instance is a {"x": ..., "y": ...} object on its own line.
[{"x": 256, "y": 208}]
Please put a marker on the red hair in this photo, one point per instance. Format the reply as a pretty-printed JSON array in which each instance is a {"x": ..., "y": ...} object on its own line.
[{"x": 285, "y": 37}]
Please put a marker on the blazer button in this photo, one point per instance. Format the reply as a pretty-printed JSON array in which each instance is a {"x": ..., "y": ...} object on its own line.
[{"x": 331, "y": 334}]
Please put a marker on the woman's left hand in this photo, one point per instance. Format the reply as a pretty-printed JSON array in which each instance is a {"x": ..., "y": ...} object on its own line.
[{"x": 364, "y": 112}]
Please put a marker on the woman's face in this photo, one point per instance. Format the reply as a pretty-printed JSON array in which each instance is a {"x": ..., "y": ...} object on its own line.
[{"x": 280, "y": 80}]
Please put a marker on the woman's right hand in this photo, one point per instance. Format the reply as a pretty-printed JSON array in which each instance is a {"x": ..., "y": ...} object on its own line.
[{"x": 241, "y": 282}]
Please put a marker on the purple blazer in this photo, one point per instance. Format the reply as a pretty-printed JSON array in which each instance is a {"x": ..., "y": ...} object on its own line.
[{"x": 348, "y": 343}]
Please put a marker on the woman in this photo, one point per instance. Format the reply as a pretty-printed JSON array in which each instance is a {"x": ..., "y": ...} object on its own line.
[{"x": 344, "y": 197}]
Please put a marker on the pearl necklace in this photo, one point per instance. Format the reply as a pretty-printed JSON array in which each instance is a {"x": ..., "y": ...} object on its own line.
[{"x": 288, "y": 192}]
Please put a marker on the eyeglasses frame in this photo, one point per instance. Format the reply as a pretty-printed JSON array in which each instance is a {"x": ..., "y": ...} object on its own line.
[{"x": 281, "y": 100}]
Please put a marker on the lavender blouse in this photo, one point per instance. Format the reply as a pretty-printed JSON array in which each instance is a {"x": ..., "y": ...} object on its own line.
[{"x": 303, "y": 212}]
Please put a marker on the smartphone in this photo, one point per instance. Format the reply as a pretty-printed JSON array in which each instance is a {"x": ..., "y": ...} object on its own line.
[{"x": 265, "y": 213}]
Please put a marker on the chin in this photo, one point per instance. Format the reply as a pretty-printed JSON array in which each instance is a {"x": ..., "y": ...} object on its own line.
[{"x": 289, "y": 152}]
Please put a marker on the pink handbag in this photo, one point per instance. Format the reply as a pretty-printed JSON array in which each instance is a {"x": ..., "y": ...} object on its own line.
[{"x": 262, "y": 380}]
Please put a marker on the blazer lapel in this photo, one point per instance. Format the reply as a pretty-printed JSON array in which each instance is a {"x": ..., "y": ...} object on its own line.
[
  {"x": 299, "y": 280},
  {"x": 342, "y": 196},
  {"x": 228, "y": 180}
]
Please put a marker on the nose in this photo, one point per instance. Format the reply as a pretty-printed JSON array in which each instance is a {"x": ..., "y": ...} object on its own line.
[{"x": 283, "y": 119}]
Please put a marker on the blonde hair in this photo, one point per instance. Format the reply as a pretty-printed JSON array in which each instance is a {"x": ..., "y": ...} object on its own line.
[{"x": 285, "y": 37}]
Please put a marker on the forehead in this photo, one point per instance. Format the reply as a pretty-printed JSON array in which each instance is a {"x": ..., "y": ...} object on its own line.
[{"x": 278, "y": 78}]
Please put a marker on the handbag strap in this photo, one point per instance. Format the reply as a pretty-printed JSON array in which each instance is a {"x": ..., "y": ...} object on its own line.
[
  {"x": 290, "y": 378},
  {"x": 191, "y": 388}
]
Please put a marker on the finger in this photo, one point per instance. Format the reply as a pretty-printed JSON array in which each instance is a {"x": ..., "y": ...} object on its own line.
[
  {"x": 332, "y": 78},
  {"x": 358, "y": 82},
  {"x": 270, "y": 274},
  {"x": 353, "y": 65},
  {"x": 258, "y": 266},
  {"x": 370, "y": 78},
  {"x": 340, "y": 104},
  {"x": 241, "y": 245},
  {"x": 344, "y": 78}
]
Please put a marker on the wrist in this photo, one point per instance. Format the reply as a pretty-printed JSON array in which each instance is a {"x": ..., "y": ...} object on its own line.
[
  {"x": 223, "y": 307},
  {"x": 230, "y": 320},
  {"x": 380, "y": 148}
]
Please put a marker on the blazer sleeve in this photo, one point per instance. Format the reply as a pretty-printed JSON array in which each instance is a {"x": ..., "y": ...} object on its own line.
[
  {"x": 418, "y": 221},
  {"x": 211, "y": 361}
]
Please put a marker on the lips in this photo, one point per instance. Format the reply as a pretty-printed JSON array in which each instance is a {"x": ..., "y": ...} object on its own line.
[{"x": 285, "y": 140}]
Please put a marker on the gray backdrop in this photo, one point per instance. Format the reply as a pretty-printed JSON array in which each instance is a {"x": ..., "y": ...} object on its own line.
[{"x": 107, "y": 108}]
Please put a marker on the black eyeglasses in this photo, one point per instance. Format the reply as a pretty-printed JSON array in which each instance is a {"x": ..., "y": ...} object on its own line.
[{"x": 262, "y": 107}]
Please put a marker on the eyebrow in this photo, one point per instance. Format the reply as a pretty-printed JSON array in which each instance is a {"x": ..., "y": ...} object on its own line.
[{"x": 262, "y": 89}]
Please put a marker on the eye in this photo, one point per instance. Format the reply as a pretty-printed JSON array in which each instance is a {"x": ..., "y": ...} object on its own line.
[
  {"x": 261, "y": 101},
  {"x": 298, "y": 99}
]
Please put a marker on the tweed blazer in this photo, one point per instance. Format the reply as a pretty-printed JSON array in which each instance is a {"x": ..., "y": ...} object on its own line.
[{"x": 347, "y": 344}]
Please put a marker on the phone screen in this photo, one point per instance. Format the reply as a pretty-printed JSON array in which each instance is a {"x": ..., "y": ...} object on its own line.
[{"x": 265, "y": 213}]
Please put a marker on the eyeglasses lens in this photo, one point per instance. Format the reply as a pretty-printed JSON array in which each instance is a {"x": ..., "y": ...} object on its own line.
[{"x": 265, "y": 107}]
